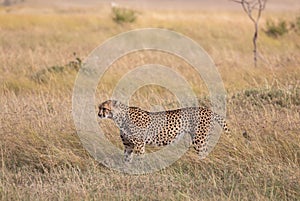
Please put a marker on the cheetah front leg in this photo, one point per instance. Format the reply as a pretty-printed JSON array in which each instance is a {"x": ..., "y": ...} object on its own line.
[
  {"x": 128, "y": 148},
  {"x": 139, "y": 148},
  {"x": 128, "y": 153}
]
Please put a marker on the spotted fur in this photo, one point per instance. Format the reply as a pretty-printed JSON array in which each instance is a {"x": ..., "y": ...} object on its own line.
[{"x": 139, "y": 127}]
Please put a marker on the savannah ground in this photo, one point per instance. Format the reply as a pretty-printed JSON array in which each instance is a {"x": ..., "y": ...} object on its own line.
[{"x": 41, "y": 156}]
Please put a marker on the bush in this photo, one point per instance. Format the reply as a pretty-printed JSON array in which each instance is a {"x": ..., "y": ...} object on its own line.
[
  {"x": 297, "y": 24},
  {"x": 274, "y": 96},
  {"x": 121, "y": 15},
  {"x": 42, "y": 76},
  {"x": 276, "y": 29}
]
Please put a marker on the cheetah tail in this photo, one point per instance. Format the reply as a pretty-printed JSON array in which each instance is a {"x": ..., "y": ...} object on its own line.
[{"x": 221, "y": 121}]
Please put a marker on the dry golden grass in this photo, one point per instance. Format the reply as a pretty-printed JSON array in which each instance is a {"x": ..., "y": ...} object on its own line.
[{"x": 43, "y": 159}]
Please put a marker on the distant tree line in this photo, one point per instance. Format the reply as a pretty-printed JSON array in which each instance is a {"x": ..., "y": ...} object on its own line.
[{"x": 10, "y": 2}]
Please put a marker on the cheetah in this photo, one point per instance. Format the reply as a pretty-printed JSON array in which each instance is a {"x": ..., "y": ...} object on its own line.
[{"x": 139, "y": 127}]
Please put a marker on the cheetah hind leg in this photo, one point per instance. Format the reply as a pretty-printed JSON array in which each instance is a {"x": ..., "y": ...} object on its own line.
[
  {"x": 201, "y": 139},
  {"x": 200, "y": 143},
  {"x": 201, "y": 148}
]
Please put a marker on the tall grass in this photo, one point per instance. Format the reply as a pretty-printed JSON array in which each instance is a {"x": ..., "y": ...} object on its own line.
[{"x": 42, "y": 158}]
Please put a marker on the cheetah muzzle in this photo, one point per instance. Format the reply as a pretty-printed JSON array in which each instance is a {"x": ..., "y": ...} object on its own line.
[{"x": 139, "y": 127}]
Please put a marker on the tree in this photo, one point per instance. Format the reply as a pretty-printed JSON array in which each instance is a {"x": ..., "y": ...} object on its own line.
[{"x": 250, "y": 6}]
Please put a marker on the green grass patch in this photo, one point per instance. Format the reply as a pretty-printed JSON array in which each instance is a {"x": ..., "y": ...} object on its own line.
[
  {"x": 43, "y": 76},
  {"x": 276, "y": 29},
  {"x": 123, "y": 15},
  {"x": 273, "y": 96}
]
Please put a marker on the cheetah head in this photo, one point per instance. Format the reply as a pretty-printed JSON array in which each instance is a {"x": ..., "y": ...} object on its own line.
[{"x": 108, "y": 109}]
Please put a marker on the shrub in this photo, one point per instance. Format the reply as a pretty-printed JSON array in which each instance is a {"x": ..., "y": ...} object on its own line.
[
  {"x": 42, "y": 76},
  {"x": 274, "y": 96},
  {"x": 121, "y": 15},
  {"x": 297, "y": 24},
  {"x": 276, "y": 29}
]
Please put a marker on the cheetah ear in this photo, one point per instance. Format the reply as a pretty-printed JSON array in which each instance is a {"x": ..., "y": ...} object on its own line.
[
  {"x": 114, "y": 105},
  {"x": 109, "y": 104}
]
